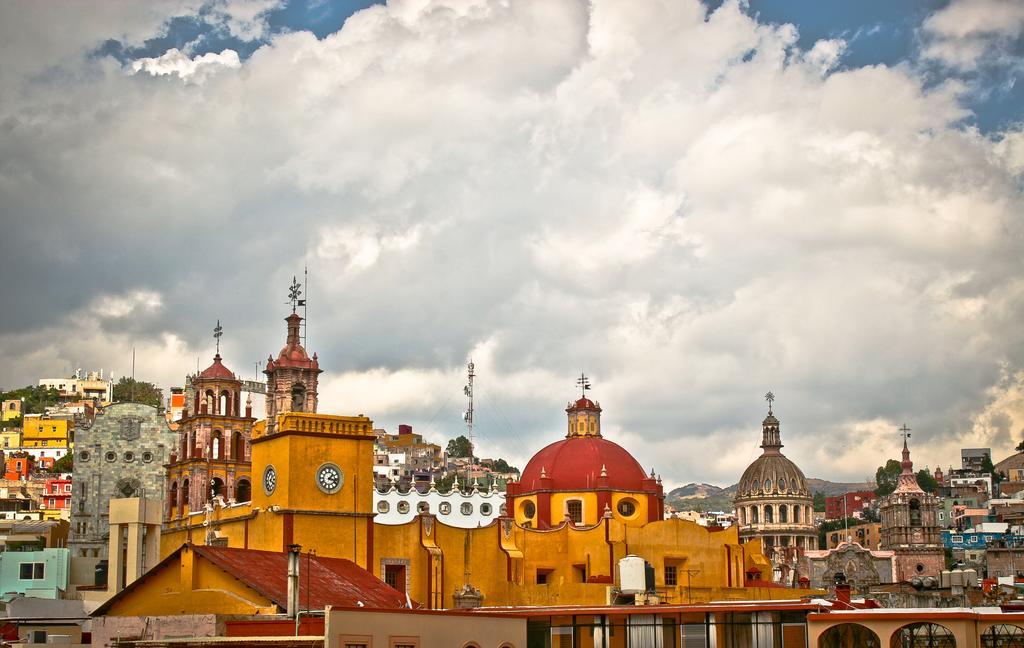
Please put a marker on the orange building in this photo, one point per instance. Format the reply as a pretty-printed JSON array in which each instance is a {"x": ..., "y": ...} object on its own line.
[{"x": 19, "y": 465}]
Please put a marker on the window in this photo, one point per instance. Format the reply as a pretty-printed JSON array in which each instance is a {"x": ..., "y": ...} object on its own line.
[
  {"x": 574, "y": 509},
  {"x": 383, "y": 507},
  {"x": 485, "y": 509},
  {"x": 32, "y": 571},
  {"x": 626, "y": 507},
  {"x": 445, "y": 508},
  {"x": 110, "y": 456},
  {"x": 579, "y": 573},
  {"x": 543, "y": 575},
  {"x": 529, "y": 510},
  {"x": 129, "y": 457},
  {"x": 423, "y": 507},
  {"x": 466, "y": 508},
  {"x": 671, "y": 576},
  {"x": 403, "y": 507},
  {"x": 147, "y": 456}
]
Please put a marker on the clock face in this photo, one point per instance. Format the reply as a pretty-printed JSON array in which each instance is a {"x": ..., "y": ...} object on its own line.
[
  {"x": 329, "y": 478},
  {"x": 269, "y": 480}
]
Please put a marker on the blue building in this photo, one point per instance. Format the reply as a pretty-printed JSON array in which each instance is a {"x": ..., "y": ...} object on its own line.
[
  {"x": 42, "y": 573},
  {"x": 981, "y": 540}
]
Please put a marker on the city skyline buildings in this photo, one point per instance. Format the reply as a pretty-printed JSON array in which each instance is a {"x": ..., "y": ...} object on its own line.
[{"x": 694, "y": 203}]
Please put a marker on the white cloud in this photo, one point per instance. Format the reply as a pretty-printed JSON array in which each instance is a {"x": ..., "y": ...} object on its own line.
[
  {"x": 244, "y": 19},
  {"x": 197, "y": 69},
  {"x": 965, "y": 32},
  {"x": 689, "y": 207}
]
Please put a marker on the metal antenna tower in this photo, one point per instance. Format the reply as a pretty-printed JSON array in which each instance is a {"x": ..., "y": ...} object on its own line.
[
  {"x": 468, "y": 416},
  {"x": 303, "y": 302}
]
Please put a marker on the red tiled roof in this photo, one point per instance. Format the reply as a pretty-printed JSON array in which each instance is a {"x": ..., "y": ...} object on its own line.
[
  {"x": 217, "y": 370},
  {"x": 331, "y": 581}
]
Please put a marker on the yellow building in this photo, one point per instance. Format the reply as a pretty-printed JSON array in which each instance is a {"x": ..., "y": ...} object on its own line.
[
  {"x": 40, "y": 431},
  {"x": 10, "y": 438},
  {"x": 583, "y": 504},
  {"x": 11, "y": 409}
]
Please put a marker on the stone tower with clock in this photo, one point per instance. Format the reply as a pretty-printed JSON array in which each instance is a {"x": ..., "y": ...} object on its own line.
[{"x": 910, "y": 525}]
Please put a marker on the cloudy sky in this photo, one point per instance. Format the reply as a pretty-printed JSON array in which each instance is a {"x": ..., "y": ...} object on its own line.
[{"x": 693, "y": 203}]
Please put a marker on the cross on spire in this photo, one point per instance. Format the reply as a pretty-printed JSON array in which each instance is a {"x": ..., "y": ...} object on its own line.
[
  {"x": 584, "y": 383},
  {"x": 294, "y": 291},
  {"x": 770, "y": 397},
  {"x": 217, "y": 332},
  {"x": 905, "y": 433}
]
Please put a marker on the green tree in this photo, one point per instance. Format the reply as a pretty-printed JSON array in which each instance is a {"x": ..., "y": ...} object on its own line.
[
  {"x": 819, "y": 502},
  {"x": 829, "y": 526},
  {"x": 129, "y": 390},
  {"x": 988, "y": 467},
  {"x": 459, "y": 447},
  {"x": 502, "y": 466},
  {"x": 36, "y": 399},
  {"x": 886, "y": 477},
  {"x": 1020, "y": 447},
  {"x": 64, "y": 465},
  {"x": 926, "y": 481}
]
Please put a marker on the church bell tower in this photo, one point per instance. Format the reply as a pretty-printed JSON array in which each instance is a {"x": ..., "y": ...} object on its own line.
[{"x": 291, "y": 378}]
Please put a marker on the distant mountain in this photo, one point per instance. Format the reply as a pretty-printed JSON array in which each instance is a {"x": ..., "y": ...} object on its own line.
[{"x": 708, "y": 497}]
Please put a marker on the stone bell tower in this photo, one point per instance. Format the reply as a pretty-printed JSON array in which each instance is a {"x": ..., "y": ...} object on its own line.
[
  {"x": 291, "y": 378},
  {"x": 910, "y": 525}
]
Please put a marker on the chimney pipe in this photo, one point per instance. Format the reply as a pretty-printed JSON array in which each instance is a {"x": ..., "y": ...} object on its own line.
[{"x": 293, "y": 580}]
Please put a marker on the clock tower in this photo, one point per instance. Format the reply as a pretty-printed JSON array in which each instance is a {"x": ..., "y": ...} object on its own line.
[{"x": 312, "y": 473}]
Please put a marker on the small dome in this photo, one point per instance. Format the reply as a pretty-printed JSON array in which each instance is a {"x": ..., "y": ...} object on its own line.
[
  {"x": 583, "y": 403},
  {"x": 773, "y": 474},
  {"x": 576, "y": 463},
  {"x": 217, "y": 371}
]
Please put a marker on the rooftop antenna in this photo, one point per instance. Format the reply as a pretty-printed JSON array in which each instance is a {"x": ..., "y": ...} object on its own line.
[
  {"x": 468, "y": 416},
  {"x": 302, "y": 302},
  {"x": 584, "y": 384},
  {"x": 217, "y": 332},
  {"x": 133, "y": 376}
]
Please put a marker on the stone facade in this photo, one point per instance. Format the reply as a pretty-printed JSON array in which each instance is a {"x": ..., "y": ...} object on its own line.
[
  {"x": 291, "y": 378},
  {"x": 121, "y": 453},
  {"x": 212, "y": 454},
  {"x": 861, "y": 567},
  {"x": 910, "y": 526}
]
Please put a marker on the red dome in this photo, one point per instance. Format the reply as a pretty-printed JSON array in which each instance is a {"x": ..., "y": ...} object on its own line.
[
  {"x": 217, "y": 371},
  {"x": 574, "y": 464},
  {"x": 584, "y": 403}
]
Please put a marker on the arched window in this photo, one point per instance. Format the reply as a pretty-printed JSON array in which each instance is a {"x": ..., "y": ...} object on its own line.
[
  {"x": 915, "y": 513},
  {"x": 796, "y": 514},
  {"x": 923, "y": 635},
  {"x": 208, "y": 402},
  {"x": 184, "y": 497},
  {"x": 298, "y": 397},
  {"x": 216, "y": 487},
  {"x": 217, "y": 445},
  {"x": 243, "y": 491},
  {"x": 754, "y": 519},
  {"x": 783, "y": 514},
  {"x": 172, "y": 499},
  {"x": 225, "y": 402},
  {"x": 849, "y": 635},
  {"x": 574, "y": 511},
  {"x": 769, "y": 514},
  {"x": 1004, "y": 635},
  {"x": 237, "y": 446},
  {"x": 192, "y": 444}
]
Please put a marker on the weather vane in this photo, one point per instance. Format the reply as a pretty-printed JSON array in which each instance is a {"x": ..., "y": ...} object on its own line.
[
  {"x": 770, "y": 397},
  {"x": 584, "y": 383},
  {"x": 217, "y": 332},
  {"x": 905, "y": 432},
  {"x": 293, "y": 294}
]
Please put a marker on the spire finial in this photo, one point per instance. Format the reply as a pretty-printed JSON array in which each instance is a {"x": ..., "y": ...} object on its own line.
[
  {"x": 294, "y": 292},
  {"x": 905, "y": 433},
  {"x": 217, "y": 332},
  {"x": 584, "y": 384},
  {"x": 770, "y": 397}
]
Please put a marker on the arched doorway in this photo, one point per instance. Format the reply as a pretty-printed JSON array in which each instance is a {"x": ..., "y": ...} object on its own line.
[
  {"x": 1004, "y": 635},
  {"x": 849, "y": 635},
  {"x": 923, "y": 635},
  {"x": 243, "y": 491}
]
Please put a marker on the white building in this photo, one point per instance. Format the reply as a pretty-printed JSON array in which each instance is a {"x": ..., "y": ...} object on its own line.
[
  {"x": 83, "y": 385},
  {"x": 454, "y": 508}
]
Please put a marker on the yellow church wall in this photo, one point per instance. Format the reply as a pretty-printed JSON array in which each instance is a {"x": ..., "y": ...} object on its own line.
[
  {"x": 520, "y": 517},
  {"x": 190, "y": 585},
  {"x": 639, "y": 500},
  {"x": 559, "y": 507}
]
